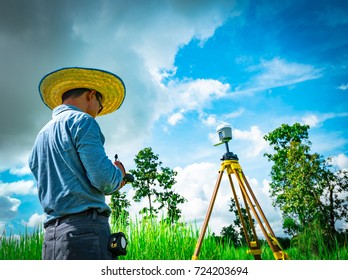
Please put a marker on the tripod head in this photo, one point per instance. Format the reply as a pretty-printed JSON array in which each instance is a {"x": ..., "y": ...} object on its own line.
[{"x": 225, "y": 135}]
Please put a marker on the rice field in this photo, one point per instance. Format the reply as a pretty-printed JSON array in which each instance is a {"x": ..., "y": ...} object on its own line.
[{"x": 156, "y": 240}]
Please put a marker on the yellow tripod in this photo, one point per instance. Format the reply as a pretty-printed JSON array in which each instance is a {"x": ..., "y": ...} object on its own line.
[{"x": 230, "y": 163}]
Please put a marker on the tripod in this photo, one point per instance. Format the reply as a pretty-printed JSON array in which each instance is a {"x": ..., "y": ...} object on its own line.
[{"x": 231, "y": 164}]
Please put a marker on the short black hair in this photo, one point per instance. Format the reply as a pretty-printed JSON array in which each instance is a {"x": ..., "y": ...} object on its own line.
[{"x": 75, "y": 92}]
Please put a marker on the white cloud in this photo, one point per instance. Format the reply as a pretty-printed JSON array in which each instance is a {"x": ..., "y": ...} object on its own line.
[
  {"x": 8, "y": 207},
  {"x": 213, "y": 138},
  {"x": 234, "y": 114},
  {"x": 277, "y": 73},
  {"x": 21, "y": 187},
  {"x": 266, "y": 187},
  {"x": 317, "y": 120},
  {"x": 176, "y": 117},
  {"x": 311, "y": 120},
  {"x": 343, "y": 87},
  {"x": 213, "y": 120},
  {"x": 255, "y": 136},
  {"x": 25, "y": 170},
  {"x": 193, "y": 94},
  {"x": 36, "y": 220},
  {"x": 179, "y": 97},
  {"x": 341, "y": 161},
  {"x": 210, "y": 121},
  {"x": 196, "y": 183}
]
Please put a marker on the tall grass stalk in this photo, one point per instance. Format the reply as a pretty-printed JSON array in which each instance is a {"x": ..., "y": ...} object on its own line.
[
  {"x": 312, "y": 244},
  {"x": 158, "y": 240},
  {"x": 21, "y": 247}
]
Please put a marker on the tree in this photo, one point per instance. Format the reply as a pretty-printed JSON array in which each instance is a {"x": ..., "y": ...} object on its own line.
[
  {"x": 168, "y": 198},
  {"x": 145, "y": 176},
  {"x": 150, "y": 179},
  {"x": 336, "y": 198},
  {"x": 234, "y": 232},
  {"x": 295, "y": 174},
  {"x": 303, "y": 186},
  {"x": 119, "y": 205}
]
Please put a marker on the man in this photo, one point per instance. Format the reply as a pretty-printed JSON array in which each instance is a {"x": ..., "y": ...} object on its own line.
[{"x": 69, "y": 163}]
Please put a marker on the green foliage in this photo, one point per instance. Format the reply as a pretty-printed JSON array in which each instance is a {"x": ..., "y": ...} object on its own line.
[
  {"x": 145, "y": 176},
  {"x": 291, "y": 226},
  {"x": 156, "y": 182},
  {"x": 282, "y": 137},
  {"x": 315, "y": 244},
  {"x": 295, "y": 173},
  {"x": 231, "y": 235},
  {"x": 234, "y": 232},
  {"x": 336, "y": 198},
  {"x": 119, "y": 205},
  {"x": 169, "y": 199},
  {"x": 303, "y": 185}
]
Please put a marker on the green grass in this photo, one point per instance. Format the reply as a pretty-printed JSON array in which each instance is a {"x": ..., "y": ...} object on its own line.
[
  {"x": 313, "y": 245},
  {"x": 154, "y": 240},
  {"x": 22, "y": 247}
]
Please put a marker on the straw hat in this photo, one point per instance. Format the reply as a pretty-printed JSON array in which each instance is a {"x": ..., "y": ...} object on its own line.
[{"x": 55, "y": 84}]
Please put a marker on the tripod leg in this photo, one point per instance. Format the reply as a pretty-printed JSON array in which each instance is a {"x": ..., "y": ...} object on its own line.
[
  {"x": 270, "y": 237},
  {"x": 239, "y": 209},
  {"x": 254, "y": 246},
  {"x": 207, "y": 217}
]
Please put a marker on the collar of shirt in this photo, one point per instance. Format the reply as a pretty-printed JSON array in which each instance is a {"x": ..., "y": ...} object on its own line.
[{"x": 64, "y": 107}]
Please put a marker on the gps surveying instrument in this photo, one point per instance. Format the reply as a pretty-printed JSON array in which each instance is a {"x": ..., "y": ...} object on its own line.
[{"x": 230, "y": 163}]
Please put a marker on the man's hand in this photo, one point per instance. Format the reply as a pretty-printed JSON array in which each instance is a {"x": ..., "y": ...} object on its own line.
[{"x": 121, "y": 167}]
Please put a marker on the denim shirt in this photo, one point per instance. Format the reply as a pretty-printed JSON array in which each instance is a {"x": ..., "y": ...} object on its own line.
[{"x": 69, "y": 163}]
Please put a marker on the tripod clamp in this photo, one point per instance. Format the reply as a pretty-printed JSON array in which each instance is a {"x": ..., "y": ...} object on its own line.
[{"x": 229, "y": 155}]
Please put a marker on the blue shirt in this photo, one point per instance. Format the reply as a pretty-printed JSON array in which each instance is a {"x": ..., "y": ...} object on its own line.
[{"x": 69, "y": 163}]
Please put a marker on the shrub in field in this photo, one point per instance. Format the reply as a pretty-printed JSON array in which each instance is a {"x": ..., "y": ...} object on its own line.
[{"x": 316, "y": 244}]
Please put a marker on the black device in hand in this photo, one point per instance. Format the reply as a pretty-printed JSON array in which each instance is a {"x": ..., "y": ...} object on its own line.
[{"x": 128, "y": 178}]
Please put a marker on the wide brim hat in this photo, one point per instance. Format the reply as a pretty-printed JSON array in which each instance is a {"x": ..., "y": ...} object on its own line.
[{"x": 53, "y": 85}]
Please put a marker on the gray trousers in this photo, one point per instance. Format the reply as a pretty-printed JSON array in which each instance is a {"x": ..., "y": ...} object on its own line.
[{"x": 77, "y": 238}]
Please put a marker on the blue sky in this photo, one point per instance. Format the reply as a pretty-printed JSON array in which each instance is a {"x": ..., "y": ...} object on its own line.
[{"x": 188, "y": 66}]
